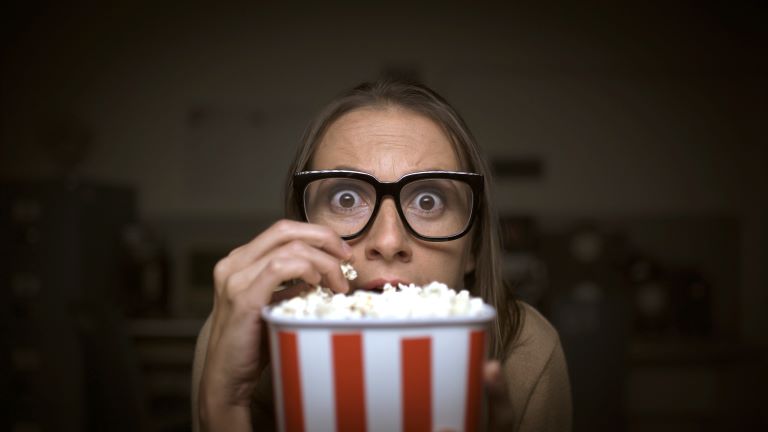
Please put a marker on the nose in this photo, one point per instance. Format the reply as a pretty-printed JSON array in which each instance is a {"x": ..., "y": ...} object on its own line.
[{"x": 387, "y": 238}]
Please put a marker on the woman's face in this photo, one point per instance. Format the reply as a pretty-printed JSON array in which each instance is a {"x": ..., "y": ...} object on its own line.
[{"x": 388, "y": 143}]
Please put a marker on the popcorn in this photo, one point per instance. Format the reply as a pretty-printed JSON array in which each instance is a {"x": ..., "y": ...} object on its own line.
[
  {"x": 349, "y": 272},
  {"x": 405, "y": 301}
]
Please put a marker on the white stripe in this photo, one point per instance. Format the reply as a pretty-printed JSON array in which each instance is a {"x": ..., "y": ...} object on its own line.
[
  {"x": 276, "y": 380},
  {"x": 449, "y": 377},
  {"x": 383, "y": 380},
  {"x": 316, "y": 371}
]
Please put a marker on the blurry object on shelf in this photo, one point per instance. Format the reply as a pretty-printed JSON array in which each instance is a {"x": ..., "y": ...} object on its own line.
[
  {"x": 518, "y": 233},
  {"x": 653, "y": 308},
  {"x": 593, "y": 245},
  {"x": 647, "y": 311},
  {"x": 704, "y": 248},
  {"x": 652, "y": 304},
  {"x": 582, "y": 316},
  {"x": 526, "y": 277},
  {"x": 583, "y": 252},
  {"x": 587, "y": 245},
  {"x": 194, "y": 245},
  {"x": 587, "y": 302},
  {"x": 692, "y": 301},
  {"x": 523, "y": 271},
  {"x": 148, "y": 292},
  {"x": 669, "y": 302},
  {"x": 587, "y": 292}
]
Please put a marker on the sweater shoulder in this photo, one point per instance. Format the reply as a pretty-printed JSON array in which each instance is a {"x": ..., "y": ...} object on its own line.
[
  {"x": 537, "y": 333},
  {"x": 531, "y": 351}
]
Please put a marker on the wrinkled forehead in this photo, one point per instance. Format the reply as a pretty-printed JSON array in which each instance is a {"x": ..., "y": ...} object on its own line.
[{"x": 387, "y": 142}]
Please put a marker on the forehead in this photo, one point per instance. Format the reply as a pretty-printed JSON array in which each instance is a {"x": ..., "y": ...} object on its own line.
[{"x": 387, "y": 142}]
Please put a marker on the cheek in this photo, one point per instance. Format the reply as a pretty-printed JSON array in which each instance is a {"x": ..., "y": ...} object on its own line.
[{"x": 447, "y": 263}]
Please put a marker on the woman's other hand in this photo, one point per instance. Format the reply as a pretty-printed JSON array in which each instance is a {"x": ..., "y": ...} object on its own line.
[
  {"x": 501, "y": 417},
  {"x": 245, "y": 281}
]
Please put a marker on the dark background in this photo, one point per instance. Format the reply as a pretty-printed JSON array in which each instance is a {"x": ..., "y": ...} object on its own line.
[{"x": 142, "y": 141}]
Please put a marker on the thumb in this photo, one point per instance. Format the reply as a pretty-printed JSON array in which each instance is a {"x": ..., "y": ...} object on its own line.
[{"x": 501, "y": 415}]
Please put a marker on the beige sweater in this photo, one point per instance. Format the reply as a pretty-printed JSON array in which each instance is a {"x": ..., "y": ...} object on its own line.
[{"x": 535, "y": 371}]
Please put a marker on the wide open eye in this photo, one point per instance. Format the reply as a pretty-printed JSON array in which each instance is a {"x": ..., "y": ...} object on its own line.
[
  {"x": 345, "y": 200},
  {"x": 428, "y": 202},
  {"x": 425, "y": 204}
]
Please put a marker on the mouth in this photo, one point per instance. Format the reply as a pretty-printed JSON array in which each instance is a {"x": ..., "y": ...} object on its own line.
[{"x": 378, "y": 284}]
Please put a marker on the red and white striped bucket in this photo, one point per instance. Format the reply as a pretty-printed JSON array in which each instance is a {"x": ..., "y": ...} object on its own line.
[{"x": 378, "y": 375}]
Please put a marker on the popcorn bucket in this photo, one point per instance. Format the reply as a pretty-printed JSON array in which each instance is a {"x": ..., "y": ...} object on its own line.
[{"x": 417, "y": 374}]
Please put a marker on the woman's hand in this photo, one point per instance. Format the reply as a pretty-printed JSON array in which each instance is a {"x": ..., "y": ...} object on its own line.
[
  {"x": 244, "y": 282},
  {"x": 501, "y": 417}
]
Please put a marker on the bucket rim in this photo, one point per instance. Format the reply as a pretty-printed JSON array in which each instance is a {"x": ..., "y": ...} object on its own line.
[{"x": 486, "y": 315}]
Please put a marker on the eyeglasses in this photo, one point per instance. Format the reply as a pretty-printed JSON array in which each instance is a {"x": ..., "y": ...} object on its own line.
[{"x": 433, "y": 205}]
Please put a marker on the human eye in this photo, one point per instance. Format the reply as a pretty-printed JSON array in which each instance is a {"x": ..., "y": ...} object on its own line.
[
  {"x": 347, "y": 199},
  {"x": 427, "y": 203}
]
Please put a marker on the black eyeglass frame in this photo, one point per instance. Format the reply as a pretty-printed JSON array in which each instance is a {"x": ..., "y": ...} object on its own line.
[{"x": 383, "y": 189}]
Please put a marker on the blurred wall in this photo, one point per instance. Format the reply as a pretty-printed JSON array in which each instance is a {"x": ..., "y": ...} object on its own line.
[{"x": 645, "y": 111}]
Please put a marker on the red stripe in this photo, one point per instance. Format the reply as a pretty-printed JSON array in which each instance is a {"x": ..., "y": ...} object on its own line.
[
  {"x": 349, "y": 382},
  {"x": 289, "y": 371},
  {"x": 417, "y": 384},
  {"x": 474, "y": 380}
]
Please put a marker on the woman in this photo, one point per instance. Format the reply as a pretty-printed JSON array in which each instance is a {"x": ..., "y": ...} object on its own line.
[{"x": 387, "y": 131}]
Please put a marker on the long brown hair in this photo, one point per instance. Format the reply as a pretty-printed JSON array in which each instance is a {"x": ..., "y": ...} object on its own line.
[{"x": 486, "y": 280}]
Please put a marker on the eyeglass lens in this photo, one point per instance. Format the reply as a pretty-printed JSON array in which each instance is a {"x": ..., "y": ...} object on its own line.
[{"x": 432, "y": 207}]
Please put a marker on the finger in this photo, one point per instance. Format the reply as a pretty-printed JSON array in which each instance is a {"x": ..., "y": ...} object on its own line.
[
  {"x": 285, "y": 231},
  {"x": 500, "y": 404},
  {"x": 327, "y": 265},
  {"x": 238, "y": 303},
  {"x": 290, "y": 290},
  {"x": 494, "y": 381},
  {"x": 260, "y": 291},
  {"x": 321, "y": 268}
]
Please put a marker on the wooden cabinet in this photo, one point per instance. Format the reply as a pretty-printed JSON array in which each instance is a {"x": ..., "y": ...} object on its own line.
[{"x": 70, "y": 366}]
